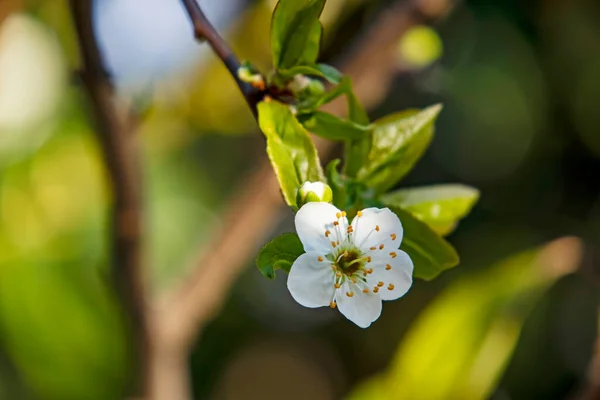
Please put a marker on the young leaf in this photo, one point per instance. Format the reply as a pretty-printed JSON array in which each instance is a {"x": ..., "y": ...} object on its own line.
[
  {"x": 331, "y": 127},
  {"x": 296, "y": 32},
  {"x": 430, "y": 253},
  {"x": 279, "y": 253},
  {"x": 399, "y": 141},
  {"x": 340, "y": 195},
  {"x": 325, "y": 71},
  {"x": 439, "y": 206},
  {"x": 292, "y": 153}
]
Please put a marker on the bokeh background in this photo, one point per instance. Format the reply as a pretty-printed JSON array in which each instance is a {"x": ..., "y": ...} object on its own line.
[{"x": 520, "y": 82}]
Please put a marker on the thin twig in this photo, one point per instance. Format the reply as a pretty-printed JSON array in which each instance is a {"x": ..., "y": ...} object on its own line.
[
  {"x": 203, "y": 30},
  {"x": 122, "y": 163}
]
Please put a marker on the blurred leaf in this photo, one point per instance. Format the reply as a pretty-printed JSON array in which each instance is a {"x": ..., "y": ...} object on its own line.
[
  {"x": 292, "y": 153},
  {"x": 331, "y": 127},
  {"x": 439, "y": 206},
  {"x": 279, "y": 253},
  {"x": 460, "y": 345},
  {"x": 399, "y": 141},
  {"x": 331, "y": 74},
  {"x": 430, "y": 253},
  {"x": 62, "y": 331},
  {"x": 296, "y": 32},
  {"x": 340, "y": 196}
]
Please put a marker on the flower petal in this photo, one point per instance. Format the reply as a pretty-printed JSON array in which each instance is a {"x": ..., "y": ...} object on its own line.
[
  {"x": 361, "y": 308},
  {"x": 311, "y": 281},
  {"x": 396, "y": 271},
  {"x": 314, "y": 220},
  {"x": 376, "y": 227}
]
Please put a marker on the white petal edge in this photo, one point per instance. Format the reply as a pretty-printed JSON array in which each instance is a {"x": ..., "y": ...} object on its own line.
[
  {"x": 310, "y": 281},
  {"x": 400, "y": 275},
  {"x": 389, "y": 234},
  {"x": 361, "y": 308},
  {"x": 313, "y": 220}
]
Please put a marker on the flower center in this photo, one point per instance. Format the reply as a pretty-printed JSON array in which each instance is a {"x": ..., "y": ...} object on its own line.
[{"x": 350, "y": 262}]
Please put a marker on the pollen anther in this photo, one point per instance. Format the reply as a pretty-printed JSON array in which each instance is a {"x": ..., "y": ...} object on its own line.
[
  {"x": 338, "y": 215},
  {"x": 365, "y": 290},
  {"x": 343, "y": 213},
  {"x": 393, "y": 236},
  {"x": 381, "y": 246},
  {"x": 380, "y": 284},
  {"x": 390, "y": 287},
  {"x": 337, "y": 285},
  {"x": 359, "y": 214},
  {"x": 332, "y": 304},
  {"x": 388, "y": 267},
  {"x": 393, "y": 254},
  {"x": 373, "y": 248},
  {"x": 377, "y": 228},
  {"x": 375, "y": 289},
  {"x": 333, "y": 244},
  {"x": 327, "y": 233},
  {"x": 336, "y": 223},
  {"x": 349, "y": 294}
]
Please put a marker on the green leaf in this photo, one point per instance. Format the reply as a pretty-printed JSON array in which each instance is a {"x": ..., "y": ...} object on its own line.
[
  {"x": 279, "y": 253},
  {"x": 290, "y": 149},
  {"x": 430, "y": 253},
  {"x": 399, "y": 141},
  {"x": 296, "y": 32},
  {"x": 439, "y": 206},
  {"x": 331, "y": 127},
  {"x": 337, "y": 184},
  {"x": 325, "y": 71},
  {"x": 460, "y": 345}
]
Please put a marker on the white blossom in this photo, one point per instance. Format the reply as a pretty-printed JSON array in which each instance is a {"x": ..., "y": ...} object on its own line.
[{"x": 349, "y": 266}]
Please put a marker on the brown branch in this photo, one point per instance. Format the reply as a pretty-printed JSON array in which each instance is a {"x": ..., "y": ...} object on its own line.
[
  {"x": 203, "y": 30},
  {"x": 257, "y": 206},
  {"x": 122, "y": 164}
]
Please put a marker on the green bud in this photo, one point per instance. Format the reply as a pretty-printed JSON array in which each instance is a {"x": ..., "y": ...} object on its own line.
[{"x": 314, "y": 192}]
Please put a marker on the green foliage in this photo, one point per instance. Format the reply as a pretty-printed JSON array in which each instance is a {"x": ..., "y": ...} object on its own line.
[
  {"x": 399, "y": 141},
  {"x": 460, "y": 345},
  {"x": 431, "y": 254},
  {"x": 279, "y": 253},
  {"x": 333, "y": 128},
  {"x": 376, "y": 155},
  {"x": 296, "y": 32},
  {"x": 292, "y": 153},
  {"x": 337, "y": 184},
  {"x": 439, "y": 206},
  {"x": 325, "y": 71}
]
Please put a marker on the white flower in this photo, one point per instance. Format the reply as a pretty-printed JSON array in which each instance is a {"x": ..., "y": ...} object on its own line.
[{"x": 353, "y": 267}]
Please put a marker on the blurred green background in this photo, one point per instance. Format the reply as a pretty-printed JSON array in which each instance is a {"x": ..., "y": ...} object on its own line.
[{"x": 520, "y": 82}]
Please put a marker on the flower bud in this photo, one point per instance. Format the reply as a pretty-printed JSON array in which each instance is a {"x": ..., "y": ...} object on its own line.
[{"x": 314, "y": 192}]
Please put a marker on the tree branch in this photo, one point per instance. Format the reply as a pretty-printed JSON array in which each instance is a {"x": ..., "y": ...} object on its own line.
[
  {"x": 203, "y": 30},
  {"x": 122, "y": 164},
  {"x": 256, "y": 207}
]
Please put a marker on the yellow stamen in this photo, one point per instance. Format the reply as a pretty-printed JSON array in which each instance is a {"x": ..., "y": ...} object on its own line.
[
  {"x": 332, "y": 304},
  {"x": 393, "y": 255},
  {"x": 338, "y": 215},
  {"x": 333, "y": 244},
  {"x": 380, "y": 284},
  {"x": 368, "y": 258},
  {"x": 377, "y": 228},
  {"x": 353, "y": 279},
  {"x": 375, "y": 289},
  {"x": 349, "y": 294},
  {"x": 390, "y": 287},
  {"x": 343, "y": 213},
  {"x": 370, "y": 271},
  {"x": 388, "y": 267},
  {"x": 393, "y": 236},
  {"x": 336, "y": 223},
  {"x": 381, "y": 246},
  {"x": 327, "y": 233},
  {"x": 373, "y": 248},
  {"x": 365, "y": 290},
  {"x": 337, "y": 286},
  {"x": 320, "y": 259}
]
